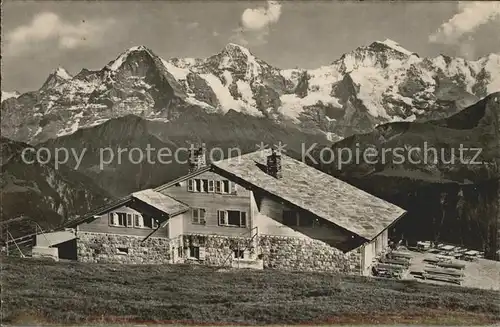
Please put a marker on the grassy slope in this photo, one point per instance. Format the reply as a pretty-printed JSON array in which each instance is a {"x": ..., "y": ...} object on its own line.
[{"x": 76, "y": 292}]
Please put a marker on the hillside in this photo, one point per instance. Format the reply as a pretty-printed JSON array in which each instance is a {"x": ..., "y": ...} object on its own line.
[
  {"x": 373, "y": 84},
  {"x": 41, "y": 192},
  {"x": 226, "y": 132},
  {"x": 447, "y": 199},
  {"x": 126, "y": 294}
]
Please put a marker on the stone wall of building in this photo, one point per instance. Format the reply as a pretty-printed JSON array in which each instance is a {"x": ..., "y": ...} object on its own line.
[
  {"x": 113, "y": 248},
  {"x": 217, "y": 250},
  {"x": 277, "y": 252},
  {"x": 292, "y": 253}
]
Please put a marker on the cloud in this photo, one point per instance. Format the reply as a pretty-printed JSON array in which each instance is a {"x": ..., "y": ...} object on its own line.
[
  {"x": 192, "y": 25},
  {"x": 47, "y": 27},
  {"x": 471, "y": 16},
  {"x": 255, "y": 24}
]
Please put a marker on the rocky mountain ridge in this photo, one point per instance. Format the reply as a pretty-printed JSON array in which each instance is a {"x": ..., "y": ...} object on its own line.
[{"x": 373, "y": 84}]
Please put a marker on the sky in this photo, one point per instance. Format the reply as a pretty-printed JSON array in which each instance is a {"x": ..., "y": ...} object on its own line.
[{"x": 39, "y": 36}]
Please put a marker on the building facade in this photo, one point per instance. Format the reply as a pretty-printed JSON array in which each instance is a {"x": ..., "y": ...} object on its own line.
[{"x": 263, "y": 211}]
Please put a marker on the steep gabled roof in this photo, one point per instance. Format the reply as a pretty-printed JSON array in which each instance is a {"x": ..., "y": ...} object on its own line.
[
  {"x": 164, "y": 203},
  {"x": 161, "y": 202},
  {"x": 312, "y": 190}
]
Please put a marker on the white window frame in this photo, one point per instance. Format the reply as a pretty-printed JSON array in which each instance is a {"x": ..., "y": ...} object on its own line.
[
  {"x": 115, "y": 220},
  {"x": 226, "y": 218},
  {"x": 211, "y": 186},
  {"x": 130, "y": 220},
  {"x": 226, "y": 190},
  {"x": 138, "y": 221},
  {"x": 199, "y": 219},
  {"x": 222, "y": 217},
  {"x": 204, "y": 185},
  {"x": 190, "y": 185},
  {"x": 218, "y": 187}
]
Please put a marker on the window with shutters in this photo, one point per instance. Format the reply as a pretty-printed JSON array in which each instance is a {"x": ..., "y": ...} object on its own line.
[
  {"x": 232, "y": 218},
  {"x": 238, "y": 254},
  {"x": 225, "y": 187},
  {"x": 138, "y": 221},
  {"x": 118, "y": 219},
  {"x": 222, "y": 217},
  {"x": 198, "y": 216},
  {"x": 130, "y": 221},
  {"x": 194, "y": 252},
  {"x": 211, "y": 186}
]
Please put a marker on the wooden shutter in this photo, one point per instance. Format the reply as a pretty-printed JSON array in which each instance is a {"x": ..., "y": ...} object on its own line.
[
  {"x": 194, "y": 215},
  {"x": 221, "y": 214},
  {"x": 201, "y": 215},
  {"x": 115, "y": 219},
  {"x": 232, "y": 187},
  {"x": 211, "y": 186},
  {"x": 218, "y": 187},
  {"x": 130, "y": 222},
  {"x": 243, "y": 219},
  {"x": 202, "y": 253}
]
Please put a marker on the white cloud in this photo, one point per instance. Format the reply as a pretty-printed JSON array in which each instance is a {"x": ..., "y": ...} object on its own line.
[
  {"x": 49, "y": 27},
  {"x": 470, "y": 17},
  {"x": 260, "y": 18},
  {"x": 192, "y": 25},
  {"x": 255, "y": 24}
]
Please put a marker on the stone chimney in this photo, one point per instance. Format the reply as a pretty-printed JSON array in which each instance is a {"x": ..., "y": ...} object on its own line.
[
  {"x": 274, "y": 164},
  {"x": 197, "y": 158}
]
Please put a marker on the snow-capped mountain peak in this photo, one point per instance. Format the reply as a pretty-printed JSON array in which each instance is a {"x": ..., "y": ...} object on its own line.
[
  {"x": 58, "y": 77},
  {"x": 118, "y": 62},
  {"x": 395, "y": 46},
  {"x": 236, "y": 58},
  {"x": 7, "y": 95},
  {"x": 62, "y": 73},
  {"x": 373, "y": 84}
]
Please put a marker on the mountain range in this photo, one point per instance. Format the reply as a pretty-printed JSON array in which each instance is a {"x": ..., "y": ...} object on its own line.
[{"x": 371, "y": 85}]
